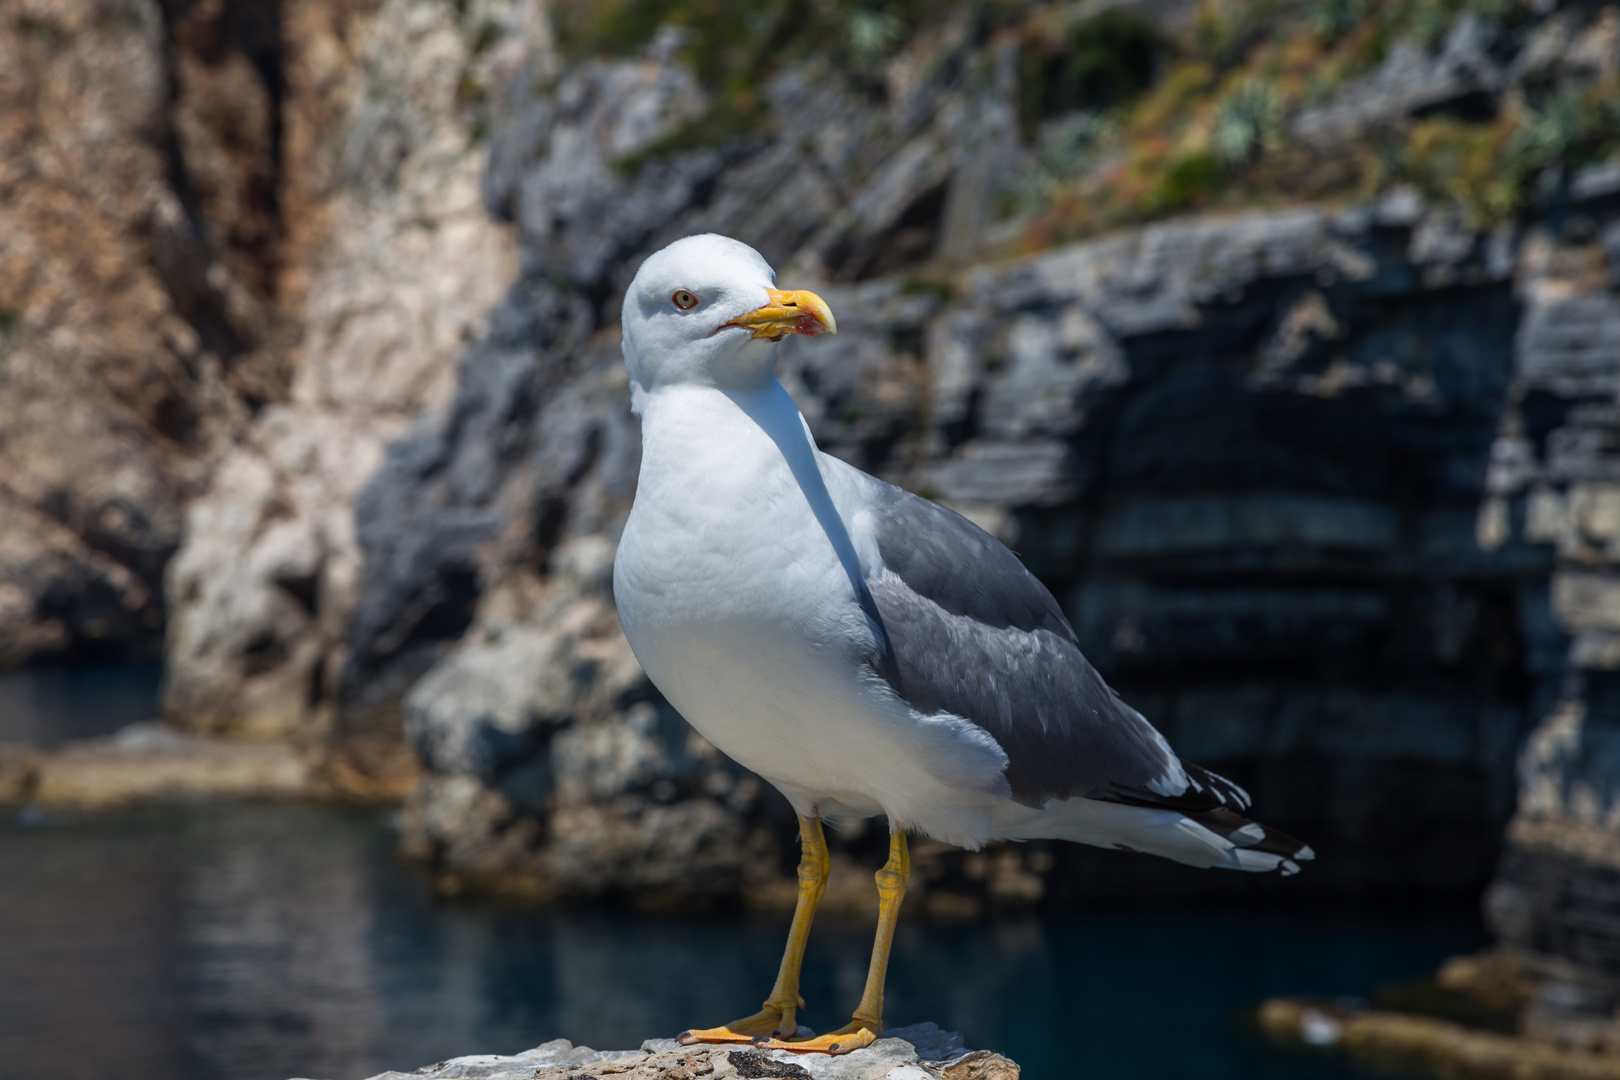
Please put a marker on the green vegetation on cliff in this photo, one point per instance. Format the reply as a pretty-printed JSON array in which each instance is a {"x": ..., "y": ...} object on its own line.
[
  {"x": 733, "y": 46},
  {"x": 1478, "y": 104},
  {"x": 1227, "y": 120}
]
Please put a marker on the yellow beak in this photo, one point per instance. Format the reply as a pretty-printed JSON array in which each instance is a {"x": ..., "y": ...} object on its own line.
[{"x": 797, "y": 312}]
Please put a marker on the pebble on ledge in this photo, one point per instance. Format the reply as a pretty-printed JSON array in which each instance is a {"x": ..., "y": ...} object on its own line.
[{"x": 918, "y": 1052}]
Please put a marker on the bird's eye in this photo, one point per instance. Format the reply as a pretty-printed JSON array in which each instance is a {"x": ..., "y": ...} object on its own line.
[{"x": 684, "y": 300}]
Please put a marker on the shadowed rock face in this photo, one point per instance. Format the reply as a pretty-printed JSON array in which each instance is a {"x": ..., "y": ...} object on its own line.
[{"x": 1555, "y": 479}]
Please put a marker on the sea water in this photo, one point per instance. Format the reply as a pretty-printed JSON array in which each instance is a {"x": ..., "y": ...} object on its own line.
[
  {"x": 265, "y": 942},
  {"x": 254, "y": 942},
  {"x": 47, "y": 706}
]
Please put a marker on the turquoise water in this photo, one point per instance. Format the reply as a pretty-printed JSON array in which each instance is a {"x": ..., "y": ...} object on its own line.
[{"x": 238, "y": 943}]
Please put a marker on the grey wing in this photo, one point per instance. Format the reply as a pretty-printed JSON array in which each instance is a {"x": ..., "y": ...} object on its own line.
[
  {"x": 972, "y": 632},
  {"x": 958, "y": 567}
]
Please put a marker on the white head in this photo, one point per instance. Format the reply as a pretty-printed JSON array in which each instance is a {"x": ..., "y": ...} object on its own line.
[{"x": 703, "y": 311}]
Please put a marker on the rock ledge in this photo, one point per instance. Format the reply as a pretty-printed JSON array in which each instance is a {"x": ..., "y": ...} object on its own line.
[
  {"x": 152, "y": 763},
  {"x": 919, "y": 1052}
]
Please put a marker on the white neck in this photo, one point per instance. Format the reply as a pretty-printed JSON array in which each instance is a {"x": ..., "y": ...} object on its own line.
[{"x": 683, "y": 424}]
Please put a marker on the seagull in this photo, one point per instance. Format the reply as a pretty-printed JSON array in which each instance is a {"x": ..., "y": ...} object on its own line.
[{"x": 865, "y": 650}]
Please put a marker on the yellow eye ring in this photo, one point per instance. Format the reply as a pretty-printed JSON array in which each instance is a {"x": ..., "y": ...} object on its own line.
[{"x": 684, "y": 300}]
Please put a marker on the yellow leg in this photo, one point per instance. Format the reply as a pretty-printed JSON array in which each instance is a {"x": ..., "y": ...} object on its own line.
[
  {"x": 779, "y": 1017},
  {"x": 867, "y": 1024}
]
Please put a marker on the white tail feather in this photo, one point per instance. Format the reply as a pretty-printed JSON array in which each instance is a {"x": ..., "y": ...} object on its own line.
[{"x": 1165, "y": 833}]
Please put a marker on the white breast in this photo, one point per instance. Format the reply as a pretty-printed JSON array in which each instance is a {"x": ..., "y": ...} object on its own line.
[
  {"x": 737, "y": 597},
  {"x": 731, "y": 594}
]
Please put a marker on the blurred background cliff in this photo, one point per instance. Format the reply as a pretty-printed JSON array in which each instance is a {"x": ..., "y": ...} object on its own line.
[{"x": 1280, "y": 338}]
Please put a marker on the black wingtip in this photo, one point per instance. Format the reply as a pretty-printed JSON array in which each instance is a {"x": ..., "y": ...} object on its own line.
[{"x": 1252, "y": 836}]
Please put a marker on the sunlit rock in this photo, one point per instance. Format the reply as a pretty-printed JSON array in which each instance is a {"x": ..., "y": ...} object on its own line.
[
  {"x": 152, "y": 764},
  {"x": 917, "y": 1052},
  {"x": 262, "y": 590}
]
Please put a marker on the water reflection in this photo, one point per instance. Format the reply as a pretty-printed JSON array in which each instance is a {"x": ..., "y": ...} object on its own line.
[
  {"x": 242, "y": 943},
  {"x": 276, "y": 919},
  {"x": 47, "y": 706}
]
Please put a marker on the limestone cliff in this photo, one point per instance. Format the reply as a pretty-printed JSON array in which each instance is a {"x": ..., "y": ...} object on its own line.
[
  {"x": 263, "y": 588},
  {"x": 160, "y": 177}
]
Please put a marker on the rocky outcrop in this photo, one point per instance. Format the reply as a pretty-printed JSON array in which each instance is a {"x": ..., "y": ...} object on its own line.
[
  {"x": 244, "y": 246},
  {"x": 909, "y": 1053},
  {"x": 103, "y": 374},
  {"x": 154, "y": 166},
  {"x": 149, "y": 763},
  {"x": 263, "y": 589},
  {"x": 1555, "y": 480},
  {"x": 1427, "y": 1045},
  {"x": 1545, "y": 997}
]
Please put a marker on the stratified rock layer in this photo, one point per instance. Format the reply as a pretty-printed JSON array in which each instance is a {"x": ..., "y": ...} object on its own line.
[{"x": 1555, "y": 480}]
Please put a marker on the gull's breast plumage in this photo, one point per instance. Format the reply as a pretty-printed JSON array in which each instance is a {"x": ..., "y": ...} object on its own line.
[{"x": 741, "y": 602}]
